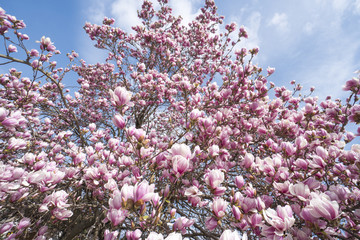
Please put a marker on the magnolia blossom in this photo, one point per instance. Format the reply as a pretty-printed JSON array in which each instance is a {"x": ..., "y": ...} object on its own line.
[
  {"x": 321, "y": 206},
  {"x": 133, "y": 235},
  {"x": 211, "y": 223},
  {"x": 46, "y": 44},
  {"x": 180, "y": 165},
  {"x": 230, "y": 235},
  {"x": 12, "y": 48},
  {"x": 127, "y": 192},
  {"x": 155, "y": 236},
  {"x": 120, "y": 97},
  {"x": 24, "y": 223},
  {"x": 143, "y": 192},
  {"x": 214, "y": 178},
  {"x": 110, "y": 235},
  {"x": 116, "y": 216},
  {"x": 119, "y": 121},
  {"x": 300, "y": 190},
  {"x": 181, "y": 149},
  {"x": 174, "y": 236},
  {"x": 219, "y": 207},
  {"x": 281, "y": 219},
  {"x": 181, "y": 223}
]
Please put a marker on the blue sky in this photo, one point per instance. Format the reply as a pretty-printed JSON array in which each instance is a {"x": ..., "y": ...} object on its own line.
[{"x": 315, "y": 42}]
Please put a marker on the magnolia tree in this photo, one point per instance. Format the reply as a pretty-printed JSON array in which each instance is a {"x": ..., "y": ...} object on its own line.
[{"x": 174, "y": 136}]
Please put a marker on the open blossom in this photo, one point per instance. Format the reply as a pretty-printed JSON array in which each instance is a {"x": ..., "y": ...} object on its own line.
[
  {"x": 46, "y": 44},
  {"x": 155, "y": 236},
  {"x": 300, "y": 190},
  {"x": 120, "y": 97},
  {"x": 143, "y": 192},
  {"x": 174, "y": 236},
  {"x": 214, "y": 178},
  {"x": 281, "y": 219},
  {"x": 116, "y": 216},
  {"x": 110, "y": 235},
  {"x": 181, "y": 223},
  {"x": 127, "y": 192},
  {"x": 181, "y": 149},
  {"x": 219, "y": 207},
  {"x": 133, "y": 235},
  {"x": 229, "y": 235},
  {"x": 180, "y": 165},
  {"x": 58, "y": 200},
  {"x": 16, "y": 143},
  {"x": 192, "y": 191},
  {"x": 321, "y": 206}
]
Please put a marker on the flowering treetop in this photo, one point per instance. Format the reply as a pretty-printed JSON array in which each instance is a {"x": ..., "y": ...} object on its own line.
[{"x": 173, "y": 136}]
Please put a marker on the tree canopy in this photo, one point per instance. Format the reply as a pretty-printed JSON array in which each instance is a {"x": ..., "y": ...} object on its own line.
[{"x": 173, "y": 136}]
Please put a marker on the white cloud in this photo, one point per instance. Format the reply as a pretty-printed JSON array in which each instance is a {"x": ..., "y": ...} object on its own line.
[
  {"x": 95, "y": 11},
  {"x": 357, "y": 7},
  {"x": 125, "y": 13},
  {"x": 340, "y": 5},
  {"x": 186, "y": 9},
  {"x": 309, "y": 28},
  {"x": 279, "y": 21}
]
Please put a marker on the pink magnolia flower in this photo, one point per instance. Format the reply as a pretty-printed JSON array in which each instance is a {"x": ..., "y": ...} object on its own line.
[
  {"x": 155, "y": 236},
  {"x": 211, "y": 223},
  {"x": 143, "y": 192},
  {"x": 180, "y": 165},
  {"x": 219, "y": 207},
  {"x": 16, "y": 144},
  {"x": 116, "y": 216},
  {"x": 133, "y": 235},
  {"x": 321, "y": 206},
  {"x": 239, "y": 182},
  {"x": 120, "y": 97},
  {"x": 115, "y": 201},
  {"x": 12, "y": 48},
  {"x": 229, "y": 235},
  {"x": 110, "y": 235},
  {"x": 181, "y": 223},
  {"x": 119, "y": 121},
  {"x": 46, "y": 44},
  {"x": 6, "y": 227},
  {"x": 24, "y": 223},
  {"x": 192, "y": 191},
  {"x": 3, "y": 113},
  {"x": 300, "y": 190},
  {"x": 236, "y": 212},
  {"x": 174, "y": 236},
  {"x": 181, "y": 149},
  {"x": 62, "y": 214},
  {"x": 281, "y": 219},
  {"x": 214, "y": 178},
  {"x": 10, "y": 122},
  {"x": 58, "y": 200},
  {"x": 127, "y": 192}
]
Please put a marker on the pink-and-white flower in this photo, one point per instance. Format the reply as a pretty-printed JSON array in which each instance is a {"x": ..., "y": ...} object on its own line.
[
  {"x": 120, "y": 97},
  {"x": 282, "y": 219},
  {"x": 219, "y": 207},
  {"x": 214, "y": 178}
]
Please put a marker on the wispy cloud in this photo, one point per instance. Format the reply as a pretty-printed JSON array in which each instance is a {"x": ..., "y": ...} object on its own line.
[
  {"x": 125, "y": 13},
  {"x": 315, "y": 43},
  {"x": 279, "y": 21}
]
